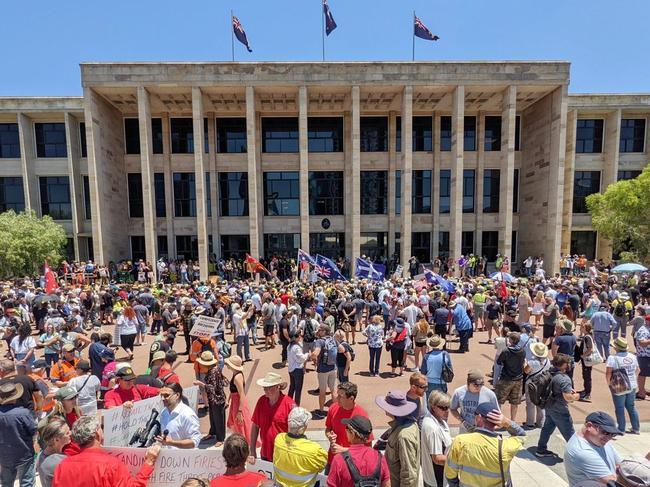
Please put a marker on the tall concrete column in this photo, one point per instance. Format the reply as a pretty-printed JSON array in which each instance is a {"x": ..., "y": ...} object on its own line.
[
  {"x": 199, "y": 180},
  {"x": 146, "y": 168},
  {"x": 508, "y": 121},
  {"x": 169, "y": 187},
  {"x": 253, "y": 164},
  {"x": 392, "y": 178},
  {"x": 480, "y": 172},
  {"x": 74, "y": 175},
  {"x": 303, "y": 177},
  {"x": 611, "y": 139},
  {"x": 457, "y": 158},
  {"x": 27, "y": 157},
  {"x": 435, "y": 195},
  {"x": 569, "y": 171},
  {"x": 407, "y": 175},
  {"x": 214, "y": 219},
  {"x": 355, "y": 179}
]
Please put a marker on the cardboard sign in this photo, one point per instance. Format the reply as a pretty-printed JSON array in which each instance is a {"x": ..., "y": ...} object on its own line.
[
  {"x": 205, "y": 326},
  {"x": 399, "y": 271}
]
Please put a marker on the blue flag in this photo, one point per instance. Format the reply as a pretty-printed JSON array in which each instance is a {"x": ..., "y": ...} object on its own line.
[
  {"x": 420, "y": 30},
  {"x": 326, "y": 269},
  {"x": 367, "y": 270},
  {"x": 330, "y": 25},
  {"x": 240, "y": 33},
  {"x": 433, "y": 278}
]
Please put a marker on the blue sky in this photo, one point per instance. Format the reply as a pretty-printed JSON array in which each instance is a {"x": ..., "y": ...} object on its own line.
[{"x": 43, "y": 42}]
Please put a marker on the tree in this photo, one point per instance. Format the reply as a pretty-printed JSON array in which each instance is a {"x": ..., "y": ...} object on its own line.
[
  {"x": 27, "y": 241},
  {"x": 622, "y": 213}
]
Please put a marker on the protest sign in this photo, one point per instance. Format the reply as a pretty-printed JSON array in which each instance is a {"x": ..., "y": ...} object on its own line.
[
  {"x": 205, "y": 326},
  {"x": 399, "y": 270}
]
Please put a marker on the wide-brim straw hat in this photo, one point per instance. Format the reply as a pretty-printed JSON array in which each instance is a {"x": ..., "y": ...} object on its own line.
[
  {"x": 620, "y": 344},
  {"x": 271, "y": 379},
  {"x": 207, "y": 358},
  {"x": 437, "y": 343},
  {"x": 539, "y": 349},
  {"x": 235, "y": 362}
]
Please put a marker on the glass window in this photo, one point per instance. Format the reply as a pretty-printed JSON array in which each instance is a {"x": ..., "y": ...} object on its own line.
[
  {"x": 132, "y": 135},
  {"x": 632, "y": 134},
  {"x": 233, "y": 194},
  {"x": 445, "y": 190},
  {"x": 82, "y": 139},
  {"x": 208, "y": 195},
  {"x": 490, "y": 245},
  {"x": 159, "y": 193},
  {"x": 398, "y": 245},
  {"x": 331, "y": 245},
  {"x": 281, "y": 245},
  {"x": 584, "y": 243},
  {"x": 87, "y": 210},
  {"x": 50, "y": 140},
  {"x": 589, "y": 136},
  {"x": 68, "y": 250},
  {"x": 421, "y": 246},
  {"x": 584, "y": 184},
  {"x": 163, "y": 247},
  {"x": 626, "y": 175},
  {"x": 398, "y": 192},
  {"x": 182, "y": 133},
  {"x": 9, "y": 141},
  {"x": 517, "y": 133},
  {"x": 280, "y": 134},
  {"x": 235, "y": 246},
  {"x": 422, "y": 134},
  {"x": 374, "y": 244},
  {"x": 55, "y": 197},
  {"x": 374, "y": 192},
  {"x": 492, "y": 133},
  {"x": 325, "y": 193},
  {"x": 231, "y": 135},
  {"x": 469, "y": 143},
  {"x": 12, "y": 196},
  {"x": 184, "y": 194},
  {"x": 469, "y": 184},
  {"x": 374, "y": 134},
  {"x": 206, "y": 139},
  {"x": 157, "y": 135},
  {"x": 136, "y": 206},
  {"x": 514, "y": 247},
  {"x": 138, "y": 248},
  {"x": 467, "y": 243},
  {"x": 187, "y": 247},
  {"x": 443, "y": 245},
  {"x": 325, "y": 134},
  {"x": 421, "y": 192},
  {"x": 491, "y": 190},
  {"x": 515, "y": 192},
  {"x": 282, "y": 193},
  {"x": 445, "y": 133}
]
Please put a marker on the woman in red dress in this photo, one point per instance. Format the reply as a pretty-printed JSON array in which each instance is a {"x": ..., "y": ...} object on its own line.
[{"x": 239, "y": 415}]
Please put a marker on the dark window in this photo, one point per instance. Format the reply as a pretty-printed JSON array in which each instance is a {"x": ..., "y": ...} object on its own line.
[
  {"x": 325, "y": 193},
  {"x": 491, "y": 190},
  {"x": 517, "y": 132},
  {"x": 281, "y": 193},
  {"x": 208, "y": 195},
  {"x": 138, "y": 248},
  {"x": 398, "y": 245},
  {"x": 330, "y": 245},
  {"x": 69, "y": 249},
  {"x": 490, "y": 245},
  {"x": 82, "y": 139},
  {"x": 187, "y": 247},
  {"x": 9, "y": 141},
  {"x": 184, "y": 194},
  {"x": 421, "y": 199},
  {"x": 421, "y": 246},
  {"x": 55, "y": 197},
  {"x": 584, "y": 242},
  {"x": 132, "y": 135},
  {"x": 136, "y": 207},
  {"x": 233, "y": 194},
  {"x": 231, "y": 135},
  {"x": 90, "y": 248},
  {"x": 632, "y": 134},
  {"x": 589, "y": 136},
  {"x": 492, "y": 134},
  {"x": 422, "y": 134},
  {"x": 443, "y": 245},
  {"x": 280, "y": 134},
  {"x": 398, "y": 192},
  {"x": 281, "y": 244},
  {"x": 206, "y": 139},
  {"x": 469, "y": 143},
  {"x": 159, "y": 193},
  {"x": 374, "y": 134},
  {"x": 163, "y": 246},
  {"x": 157, "y": 135},
  {"x": 626, "y": 175},
  {"x": 514, "y": 247},
  {"x": 182, "y": 132},
  {"x": 374, "y": 244},
  {"x": 445, "y": 133},
  {"x": 325, "y": 134},
  {"x": 515, "y": 192},
  {"x": 467, "y": 243},
  {"x": 87, "y": 210},
  {"x": 235, "y": 246},
  {"x": 374, "y": 192},
  {"x": 12, "y": 196},
  {"x": 50, "y": 140},
  {"x": 584, "y": 184},
  {"x": 445, "y": 190},
  {"x": 469, "y": 185}
]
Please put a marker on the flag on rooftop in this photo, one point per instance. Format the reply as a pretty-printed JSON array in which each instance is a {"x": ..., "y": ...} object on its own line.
[
  {"x": 240, "y": 33},
  {"x": 365, "y": 269},
  {"x": 330, "y": 24},
  {"x": 420, "y": 30}
]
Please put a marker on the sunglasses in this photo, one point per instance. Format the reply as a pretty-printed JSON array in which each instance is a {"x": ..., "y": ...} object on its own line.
[
  {"x": 443, "y": 408},
  {"x": 420, "y": 386},
  {"x": 605, "y": 433}
]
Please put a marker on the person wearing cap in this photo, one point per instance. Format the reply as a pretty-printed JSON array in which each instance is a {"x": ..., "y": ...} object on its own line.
[
  {"x": 622, "y": 307},
  {"x": 213, "y": 383},
  {"x": 367, "y": 461},
  {"x": 66, "y": 368},
  {"x": 95, "y": 351},
  {"x": 603, "y": 323},
  {"x": 624, "y": 401},
  {"x": 482, "y": 457},
  {"x": 127, "y": 392},
  {"x": 465, "y": 399},
  {"x": 38, "y": 375},
  {"x": 537, "y": 364},
  {"x": 589, "y": 454},
  {"x": 87, "y": 386},
  {"x": 297, "y": 461}
]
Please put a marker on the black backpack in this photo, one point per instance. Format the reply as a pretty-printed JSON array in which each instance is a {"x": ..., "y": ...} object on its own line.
[
  {"x": 308, "y": 333},
  {"x": 620, "y": 309},
  {"x": 538, "y": 388},
  {"x": 373, "y": 480}
]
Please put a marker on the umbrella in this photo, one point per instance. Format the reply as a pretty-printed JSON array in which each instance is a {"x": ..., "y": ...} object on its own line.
[
  {"x": 502, "y": 276},
  {"x": 629, "y": 267},
  {"x": 45, "y": 298}
]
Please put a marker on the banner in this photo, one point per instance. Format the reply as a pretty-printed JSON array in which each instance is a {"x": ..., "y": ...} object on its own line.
[
  {"x": 205, "y": 326},
  {"x": 399, "y": 270},
  {"x": 121, "y": 423}
]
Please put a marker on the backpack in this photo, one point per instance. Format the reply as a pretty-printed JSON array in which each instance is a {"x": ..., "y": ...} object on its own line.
[
  {"x": 447, "y": 371},
  {"x": 349, "y": 348},
  {"x": 619, "y": 382},
  {"x": 538, "y": 388},
  {"x": 620, "y": 309},
  {"x": 206, "y": 347},
  {"x": 308, "y": 333},
  {"x": 330, "y": 349},
  {"x": 372, "y": 480},
  {"x": 226, "y": 349}
]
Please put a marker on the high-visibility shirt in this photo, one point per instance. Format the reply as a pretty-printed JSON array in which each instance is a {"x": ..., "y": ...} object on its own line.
[
  {"x": 63, "y": 370},
  {"x": 297, "y": 460},
  {"x": 473, "y": 459}
]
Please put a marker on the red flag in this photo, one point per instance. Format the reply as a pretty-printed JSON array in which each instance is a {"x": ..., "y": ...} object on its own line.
[
  {"x": 504, "y": 290},
  {"x": 254, "y": 265},
  {"x": 50, "y": 280}
]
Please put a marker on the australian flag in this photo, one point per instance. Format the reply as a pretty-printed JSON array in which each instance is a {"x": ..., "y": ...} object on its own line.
[
  {"x": 330, "y": 25},
  {"x": 367, "y": 270},
  {"x": 240, "y": 33},
  {"x": 304, "y": 259},
  {"x": 420, "y": 30},
  {"x": 326, "y": 269},
  {"x": 433, "y": 278}
]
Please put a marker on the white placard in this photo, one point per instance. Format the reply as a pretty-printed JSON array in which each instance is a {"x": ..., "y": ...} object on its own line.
[
  {"x": 399, "y": 270},
  {"x": 205, "y": 326}
]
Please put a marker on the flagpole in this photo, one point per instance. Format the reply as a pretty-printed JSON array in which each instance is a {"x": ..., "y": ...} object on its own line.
[
  {"x": 413, "y": 32},
  {"x": 232, "y": 38},
  {"x": 322, "y": 28}
]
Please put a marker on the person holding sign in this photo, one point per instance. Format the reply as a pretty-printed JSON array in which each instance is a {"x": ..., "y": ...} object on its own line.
[{"x": 178, "y": 421}]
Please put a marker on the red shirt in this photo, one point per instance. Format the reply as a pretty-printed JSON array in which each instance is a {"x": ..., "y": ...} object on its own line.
[
  {"x": 96, "y": 468},
  {"x": 244, "y": 479},
  {"x": 364, "y": 458},
  {"x": 118, "y": 396},
  {"x": 271, "y": 420},
  {"x": 334, "y": 416},
  {"x": 172, "y": 378}
]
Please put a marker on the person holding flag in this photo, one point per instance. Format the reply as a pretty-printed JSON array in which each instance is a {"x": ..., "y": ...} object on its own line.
[
  {"x": 365, "y": 269},
  {"x": 253, "y": 265},
  {"x": 326, "y": 269}
]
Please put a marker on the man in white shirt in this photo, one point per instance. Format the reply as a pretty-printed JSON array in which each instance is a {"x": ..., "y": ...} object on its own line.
[
  {"x": 412, "y": 313},
  {"x": 179, "y": 424},
  {"x": 87, "y": 386}
]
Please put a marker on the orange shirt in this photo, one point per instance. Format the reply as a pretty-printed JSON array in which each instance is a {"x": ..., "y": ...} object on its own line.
[
  {"x": 197, "y": 345},
  {"x": 63, "y": 370}
]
